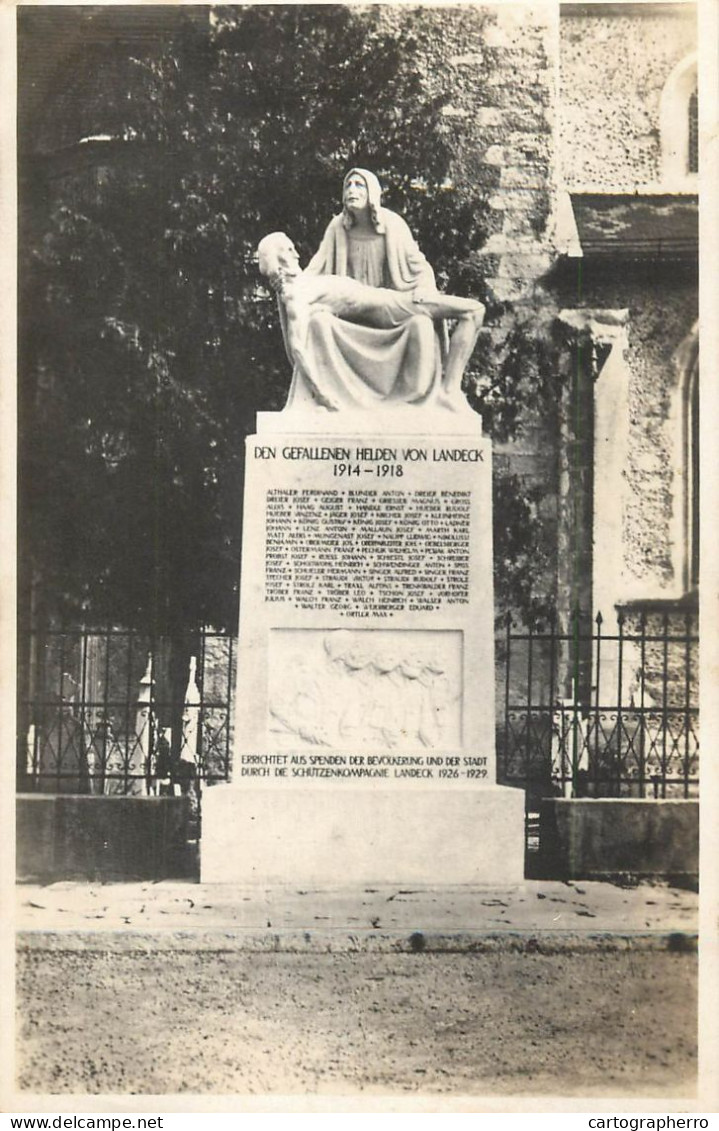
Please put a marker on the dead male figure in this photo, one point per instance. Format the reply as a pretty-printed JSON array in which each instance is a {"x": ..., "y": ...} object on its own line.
[{"x": 354, "y": 345}]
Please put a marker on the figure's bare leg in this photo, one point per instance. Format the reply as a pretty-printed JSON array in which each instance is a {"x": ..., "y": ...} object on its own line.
[
  {"x": 438, "y": 305},
  {"x": 470, "y": 316},
  {"x": 419, "y": 359},
  {"x": 461, "y": 347}
]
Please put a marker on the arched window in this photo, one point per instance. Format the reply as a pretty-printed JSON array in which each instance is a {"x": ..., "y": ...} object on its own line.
[
  {"x": 678, "y": 128},
  {"x": 693, "y": 155}
]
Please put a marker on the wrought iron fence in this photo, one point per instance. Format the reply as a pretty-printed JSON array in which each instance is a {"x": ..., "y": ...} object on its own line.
[
  {"x": 100, "y": 713},
  {"x": 581, "y": 712},
  {"x": 591, "y": 713}
]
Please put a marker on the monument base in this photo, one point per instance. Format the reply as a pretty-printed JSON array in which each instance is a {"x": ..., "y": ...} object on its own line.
[{"x": 333, "y": 837}]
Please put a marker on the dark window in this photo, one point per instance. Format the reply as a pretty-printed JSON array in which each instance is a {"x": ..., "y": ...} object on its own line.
[{"x": 693, "y": 149}]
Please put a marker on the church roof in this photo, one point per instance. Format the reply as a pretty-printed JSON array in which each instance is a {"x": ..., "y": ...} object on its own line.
[{"x": 636, "y": 226}]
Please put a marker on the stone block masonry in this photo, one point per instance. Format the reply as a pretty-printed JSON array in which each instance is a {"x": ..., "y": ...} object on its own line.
[{"x": 500, "y": 63}]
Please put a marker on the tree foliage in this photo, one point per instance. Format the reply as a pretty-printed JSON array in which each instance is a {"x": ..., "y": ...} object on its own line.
[{"x": 147, "y": 343}]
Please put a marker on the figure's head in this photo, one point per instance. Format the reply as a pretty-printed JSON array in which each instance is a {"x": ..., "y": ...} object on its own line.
[
  {"x": 357, "y": 658},
  {"x": 338, "y": 643},
  {"x": 355, "y": 194},
  {"x": 360, "y": 190},
  {"x": 412, "y": 666},
  {"x": 275, "y": 253},
  {"x": 385, "y": 661}
]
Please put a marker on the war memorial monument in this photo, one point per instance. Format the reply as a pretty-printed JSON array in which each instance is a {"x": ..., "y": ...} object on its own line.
[{"x": 364, "y": 733}]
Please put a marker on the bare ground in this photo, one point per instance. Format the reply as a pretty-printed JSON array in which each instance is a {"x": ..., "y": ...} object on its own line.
[{"x": 596, "y": 1022}]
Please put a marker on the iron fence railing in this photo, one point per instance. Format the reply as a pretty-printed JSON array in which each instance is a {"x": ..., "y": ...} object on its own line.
[
  {"x": 581, "y": 711},
  {"x": 110, "y": 712},
  {"x": 591, "y": 713}
]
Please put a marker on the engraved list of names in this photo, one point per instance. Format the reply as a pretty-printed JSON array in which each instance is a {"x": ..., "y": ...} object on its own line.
[{"x": 367, "y": 551}]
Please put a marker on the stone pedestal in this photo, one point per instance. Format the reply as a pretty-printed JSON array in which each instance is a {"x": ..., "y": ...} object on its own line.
[
  {"x": 364, "y": 734},
  {"x": 364, "y": 834}
]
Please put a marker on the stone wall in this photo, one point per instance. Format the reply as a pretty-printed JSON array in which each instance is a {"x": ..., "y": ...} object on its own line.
[
  {"x": 501, "y": 62},
  {"x": 616, "y": 63},
  {"x": 661, "y": 305},
  {"x": 655, "y": 442},
  {"x": 614, "y": 67},
  {"x": 103, "y": 839},
  {"x": 521, "y": 46},
  {"x": 608, "y": 839}
]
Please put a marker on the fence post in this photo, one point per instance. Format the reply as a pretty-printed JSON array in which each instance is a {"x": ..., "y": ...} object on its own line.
[
  {"x": 576, "y": 648},
  {"x": 556, "y": 725},
  {"x": 62, "y": 715},
  {"x": 687, "y": 698},
  {"x": 642, "y": 703},
  {"x": 507, "y": 668},
  {"x": 143, "y": 726},
  {"x": 128, "y": 700},
  {"x": 191, "y": 715},
  {"x": 201, "y": 719},
  {"x": 530, "y": 676},
  {"x": 617, "y": 783},
  {"x": 599, "y": 620},
  {"x": 230, "y": 708},
  {"x": 665, "y": 694},
  {"x": 31, "y": 766},
  {"x": 86, "y": 747}
]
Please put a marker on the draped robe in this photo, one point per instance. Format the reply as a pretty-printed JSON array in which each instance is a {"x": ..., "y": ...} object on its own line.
[{"x": 354, "y": 364}]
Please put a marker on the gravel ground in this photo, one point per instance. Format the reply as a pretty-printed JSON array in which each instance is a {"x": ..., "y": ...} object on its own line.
[{"x": 593, "y": 1022}]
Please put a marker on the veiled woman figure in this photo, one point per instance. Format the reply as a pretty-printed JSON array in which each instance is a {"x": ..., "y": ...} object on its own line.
[
  {"x": 370, "y": 243},
  {"x": 398, "y": 355}
]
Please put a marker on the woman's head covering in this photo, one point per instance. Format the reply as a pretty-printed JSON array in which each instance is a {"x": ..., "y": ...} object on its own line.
[{"x": 374, "y": 194}]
